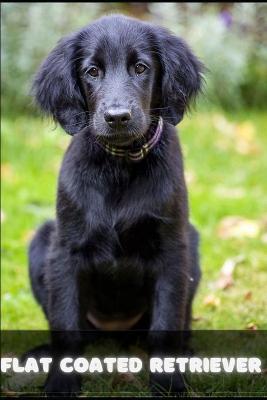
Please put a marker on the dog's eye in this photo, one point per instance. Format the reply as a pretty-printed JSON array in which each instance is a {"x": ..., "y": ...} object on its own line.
[
  {"x": 140, "y": 68},
  {"x": 93, "y": 71}
]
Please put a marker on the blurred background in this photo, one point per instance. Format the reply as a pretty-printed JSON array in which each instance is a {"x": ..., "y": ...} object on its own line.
[
  {"x": 229, "y": 37},
  {"x": 224, "y": 142}
]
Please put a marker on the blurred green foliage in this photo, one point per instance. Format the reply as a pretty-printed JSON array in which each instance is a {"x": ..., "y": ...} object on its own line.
[{"x": 229, "y": 38}]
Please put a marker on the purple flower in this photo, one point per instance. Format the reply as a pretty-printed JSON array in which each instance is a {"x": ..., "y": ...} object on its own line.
[{"x": 226, "y": 18}]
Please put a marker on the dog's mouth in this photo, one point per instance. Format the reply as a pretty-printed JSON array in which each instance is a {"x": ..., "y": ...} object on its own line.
[
  {"x": 121, "y": 139},
  {"x": 132, "y": 133}
]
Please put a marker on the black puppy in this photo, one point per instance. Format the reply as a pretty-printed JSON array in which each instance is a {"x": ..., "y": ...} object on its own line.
[{"x": 121, "y": 253}]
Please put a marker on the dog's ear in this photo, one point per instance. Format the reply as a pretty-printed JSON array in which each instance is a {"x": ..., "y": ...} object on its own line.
[
  {"x": 56, "y": 86},
  {"x": 182, "y": 75}
]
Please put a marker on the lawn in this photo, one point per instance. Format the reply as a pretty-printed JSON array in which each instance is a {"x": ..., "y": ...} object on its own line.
[
  {"x": 226, "y": 168},
  {"x": 226, "y": 164}
]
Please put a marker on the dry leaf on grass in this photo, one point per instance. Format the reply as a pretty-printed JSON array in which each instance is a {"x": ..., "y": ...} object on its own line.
[
  {"x": 226, "y": 274},
  {"x": 212, "y": 301},
  {"x": 251, "y": 326},
  {"x": 197, "y": 318},
  {"x": 238, "y": 227},
  {"x": 248, "y": 295}
]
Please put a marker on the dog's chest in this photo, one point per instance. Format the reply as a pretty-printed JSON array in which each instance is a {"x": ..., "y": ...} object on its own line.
[
  {"x": 118, "y": 284},
  {"x": 122, "y": 255},
  {"x": 141, "y": 239},
  {"x": 135, "y": 220},
  {"x": 123, "y": 246},
  {"x": 115, "y": 291}
]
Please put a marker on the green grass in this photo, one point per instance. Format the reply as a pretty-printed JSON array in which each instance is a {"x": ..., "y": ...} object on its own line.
[
  {"x": 226, "y": 164},
  {"x": 222, "y": 182}
]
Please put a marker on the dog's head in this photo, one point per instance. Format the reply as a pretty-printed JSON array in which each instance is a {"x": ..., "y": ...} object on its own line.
[{"x": 116, "y": 76}]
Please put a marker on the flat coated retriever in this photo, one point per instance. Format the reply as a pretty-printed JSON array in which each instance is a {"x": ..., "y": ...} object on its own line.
[{"x": 121, "y": 253}]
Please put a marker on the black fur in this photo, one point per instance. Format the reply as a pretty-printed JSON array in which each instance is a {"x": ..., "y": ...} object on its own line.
[{"x": 121, "y": 241}]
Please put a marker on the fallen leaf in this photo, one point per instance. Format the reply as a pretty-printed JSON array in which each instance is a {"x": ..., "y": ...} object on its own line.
[
  {"x": 212, "y": 301},
  {"x": 226, "y": 274},
  {"x": 248, "y": 295},
  {"x": 238, "y": 227},
  {"x": 196, "y": 319},
  {"x": 251, "y": 326}
]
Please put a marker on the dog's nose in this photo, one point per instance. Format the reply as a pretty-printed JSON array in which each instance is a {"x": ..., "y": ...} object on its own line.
[{"x": 117, "y": 118}]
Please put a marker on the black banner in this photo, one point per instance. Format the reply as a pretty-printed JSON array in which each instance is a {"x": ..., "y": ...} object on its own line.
[{"x": 217, "y": 363}]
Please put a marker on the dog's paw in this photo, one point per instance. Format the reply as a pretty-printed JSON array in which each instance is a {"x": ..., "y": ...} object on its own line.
[
  {"x": 61, "y": 384},
  {"x": 167, "y": 384}
]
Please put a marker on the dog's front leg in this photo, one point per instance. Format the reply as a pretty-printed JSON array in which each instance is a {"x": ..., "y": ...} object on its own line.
[
  {"x": 59, "y": 383},
  {"x": 64, "y": 319},
  {"x": 168, "y": 320}
]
